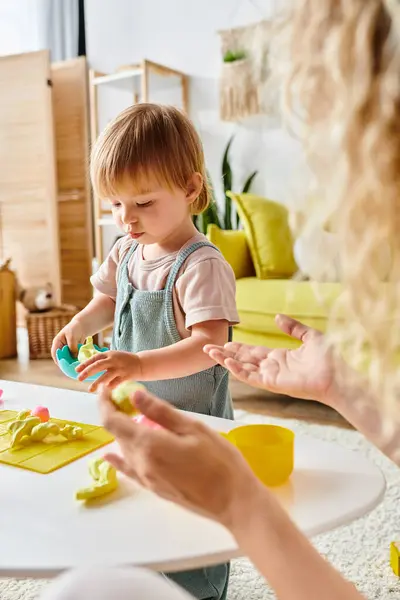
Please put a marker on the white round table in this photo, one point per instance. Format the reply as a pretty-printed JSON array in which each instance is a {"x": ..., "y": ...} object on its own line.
[{"x": 44, "y": 530}]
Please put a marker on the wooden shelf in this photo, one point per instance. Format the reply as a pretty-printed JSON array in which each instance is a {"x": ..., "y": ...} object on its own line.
[{"x": 118, "y": 76}]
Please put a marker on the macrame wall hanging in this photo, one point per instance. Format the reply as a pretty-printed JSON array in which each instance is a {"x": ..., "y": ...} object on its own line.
[{"x": 244, "y": 70}]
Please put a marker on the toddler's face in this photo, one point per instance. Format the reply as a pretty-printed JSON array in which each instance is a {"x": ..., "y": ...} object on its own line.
[{"x": 152, "y": 215}]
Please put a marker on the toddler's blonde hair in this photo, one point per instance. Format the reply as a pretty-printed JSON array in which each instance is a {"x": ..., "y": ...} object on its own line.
[{"x": 149, "y": 142}]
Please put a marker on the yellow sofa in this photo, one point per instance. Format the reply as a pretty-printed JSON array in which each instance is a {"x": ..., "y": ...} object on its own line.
[{"x": 259, "y": 300}]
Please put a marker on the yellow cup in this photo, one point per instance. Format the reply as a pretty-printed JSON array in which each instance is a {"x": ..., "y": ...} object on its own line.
[{"x": 269, "y": 450}]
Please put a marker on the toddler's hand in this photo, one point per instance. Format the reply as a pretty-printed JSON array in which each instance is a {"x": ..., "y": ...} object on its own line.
[
  {"x": 71, "y": 335},
  {"x": 119, "y": 367}
]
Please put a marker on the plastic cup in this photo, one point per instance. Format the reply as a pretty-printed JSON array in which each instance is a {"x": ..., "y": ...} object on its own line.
[{"x": 268, "y": 449}]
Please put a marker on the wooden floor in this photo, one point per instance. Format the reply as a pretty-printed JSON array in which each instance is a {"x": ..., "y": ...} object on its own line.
[{"x": 45, "y": 372}]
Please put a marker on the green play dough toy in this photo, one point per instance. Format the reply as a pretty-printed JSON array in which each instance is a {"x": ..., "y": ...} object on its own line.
[
  {"x": 122, "y": 396},
  {"x": 87, "y": 350}
]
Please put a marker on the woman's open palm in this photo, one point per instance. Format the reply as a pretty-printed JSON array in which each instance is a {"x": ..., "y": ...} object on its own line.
[{"x": 305, "y": 372}]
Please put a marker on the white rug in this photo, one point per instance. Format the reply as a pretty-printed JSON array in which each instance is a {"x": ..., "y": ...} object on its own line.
[{"x": 360, "y": 550}]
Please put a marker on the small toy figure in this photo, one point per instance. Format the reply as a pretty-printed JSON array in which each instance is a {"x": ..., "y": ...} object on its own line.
[{"x": 36, "y": 298}]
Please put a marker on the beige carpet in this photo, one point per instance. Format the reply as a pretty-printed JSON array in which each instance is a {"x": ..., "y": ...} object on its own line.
[{"x": 360, "y": 550}]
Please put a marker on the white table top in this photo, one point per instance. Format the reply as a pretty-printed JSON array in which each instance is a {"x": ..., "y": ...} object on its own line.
[{"x": 44, "y": 530}]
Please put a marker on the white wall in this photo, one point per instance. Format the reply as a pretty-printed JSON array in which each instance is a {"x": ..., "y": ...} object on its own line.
[
  {"x": 182, "y": 34},
  {"x": 19, "y": 26}
]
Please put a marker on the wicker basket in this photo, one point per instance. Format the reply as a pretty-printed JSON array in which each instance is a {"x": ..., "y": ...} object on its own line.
[{"x": 44, "y": 326}]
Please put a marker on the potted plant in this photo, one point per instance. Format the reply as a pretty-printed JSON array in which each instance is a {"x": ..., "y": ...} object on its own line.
[{"x": 212, "y": 215}]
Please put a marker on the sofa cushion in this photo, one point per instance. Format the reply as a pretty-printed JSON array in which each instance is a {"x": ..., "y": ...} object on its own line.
[
  {"x": 234, "y": 248},
  {"x": 268, "y": 235},
  {"x": 258, "y": 301}
]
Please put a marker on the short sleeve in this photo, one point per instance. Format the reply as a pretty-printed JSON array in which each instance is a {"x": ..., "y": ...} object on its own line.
[
  {"x": 105, "y": 279},
  {"x": 206, "y": 291}
]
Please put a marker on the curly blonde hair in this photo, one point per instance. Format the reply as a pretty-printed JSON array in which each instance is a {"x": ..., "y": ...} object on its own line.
[{"x": 343, "y": 86}]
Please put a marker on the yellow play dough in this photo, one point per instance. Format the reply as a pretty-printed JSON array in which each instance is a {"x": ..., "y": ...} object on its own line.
[
  {"x": 23, "y": 414},
  {"x": 105, "y": 480},
  {"x": 122, "y": 395},
  {"x": 72, "y": 432},
  {"x": 87, "y": 350},
  {"x": 39, "y": 432},
  {"x": 31, "y": 429},
  {"x": 23, "y": 429}
]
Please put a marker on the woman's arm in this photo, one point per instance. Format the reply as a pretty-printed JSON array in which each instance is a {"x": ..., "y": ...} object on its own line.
[
  {"x": 360, "y": 408},
  {"x": 185, "y": 459},
  {"x": 308, "y": 372},
  {"x": 283, "y": 555}
]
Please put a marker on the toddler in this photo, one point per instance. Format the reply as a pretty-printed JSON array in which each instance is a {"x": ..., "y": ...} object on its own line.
[{"x": 166, "y": 289}]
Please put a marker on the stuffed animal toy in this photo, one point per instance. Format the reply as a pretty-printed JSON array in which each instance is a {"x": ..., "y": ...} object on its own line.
[{"x": 36, "y": 298}]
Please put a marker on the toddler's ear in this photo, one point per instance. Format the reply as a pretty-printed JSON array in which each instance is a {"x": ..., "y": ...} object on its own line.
[{"x": 194, "y": 186}]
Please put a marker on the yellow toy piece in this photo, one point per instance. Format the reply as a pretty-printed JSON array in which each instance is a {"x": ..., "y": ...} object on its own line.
[
  {"x": 87, "y": 350},
  {"x": 395, "y": 557},
  {"x": 23, "y": 429},
  {"x": 21, "y": 416},
  {"x": 71, "y": 432},
  {"x": 122, "y": 396},
  {"x": 55, "y": 451},
  {"x": 40, "y": 432},
  {"x": 105, "y": 480},
  {"x": 31, "y": 430}
]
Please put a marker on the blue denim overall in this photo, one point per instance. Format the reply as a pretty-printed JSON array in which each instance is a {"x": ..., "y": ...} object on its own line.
[{"x": 144, "y": 320}]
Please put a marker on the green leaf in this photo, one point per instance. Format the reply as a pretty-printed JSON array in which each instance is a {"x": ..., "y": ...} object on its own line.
[
  {"x": 227, "y": 181},
  {"x": 215, "y": 220},
  {"x": 237, "y": 220},
  {"x": 245, "y": 190},
  {"x": 232, "y": 56},
  {"x": 228, "y": 213},
  {"x": 226, "y": 168},
  {"x": 208, "y": 217},
  {"x": 248, "y": 183}
]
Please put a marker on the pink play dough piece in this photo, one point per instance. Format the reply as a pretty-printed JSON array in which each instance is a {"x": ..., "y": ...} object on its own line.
[
  {"x": 42, "y": 412},
  {"x": 142, "y": 420},
  {"x": 1, "y": 401}
]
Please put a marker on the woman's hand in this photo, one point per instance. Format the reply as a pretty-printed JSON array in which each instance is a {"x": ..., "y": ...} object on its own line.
[
  {"x": 118, "y": 367},
  {"x": 306, "y": 372},
  {"x": 191, "y": 465},
  {"x": 185, "y": 462}
]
